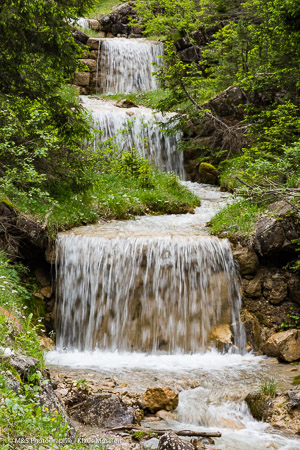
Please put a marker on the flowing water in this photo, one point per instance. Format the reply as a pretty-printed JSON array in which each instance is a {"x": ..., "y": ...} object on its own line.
[
  {"x": 138, "y": 299},
  {"x": 101, "y": 321},
  {"x": 128, "y": 65},
  {"x": 139, "y": 128}
]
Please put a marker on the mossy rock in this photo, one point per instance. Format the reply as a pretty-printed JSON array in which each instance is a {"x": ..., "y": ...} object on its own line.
[
  {"x": 296, "y": 381},
  {"x": 208, "y": 174}
]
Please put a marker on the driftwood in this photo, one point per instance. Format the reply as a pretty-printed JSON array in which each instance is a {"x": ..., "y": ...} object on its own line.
[{"x": 161, "y": 432}]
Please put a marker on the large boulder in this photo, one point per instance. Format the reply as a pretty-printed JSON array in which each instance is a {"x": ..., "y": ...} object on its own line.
[
  {"x": 170, "y": 440},
  {"x": 208, "y": 174},
  {"x": 281, "y": 411},
  {"x": 157, "y": 398},
  {"x": 275, "y": 234},
  {"x": 284, "y": 345},
  {"x": 104, "y": 411}
]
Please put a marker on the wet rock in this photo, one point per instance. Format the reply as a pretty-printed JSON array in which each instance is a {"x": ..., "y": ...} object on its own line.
[
  {"x": 275, "y": 235},
  {"x": 252, "y": 328},
  {"x": 275, "y": 288},
  {"x": 165, "y": 415},
  {"x": 105, "y": 411},
  {"x": 170, "y": 440},
  {"x": 281, "y": 412},
  {"x": 246, "y": 258},
  {"x": 222, "y": 336},
  {"x": 259, "y": 405},
  {"x": 284, "y": 345},
  {"x": 208, "y": 174},
  {"x": 126, "y": 103},
  {"x": 151, "y": 444},
  {"x": 157, "y": 398}
]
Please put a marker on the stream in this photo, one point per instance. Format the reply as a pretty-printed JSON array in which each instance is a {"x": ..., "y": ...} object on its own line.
[{"x": 138, "y": 301}]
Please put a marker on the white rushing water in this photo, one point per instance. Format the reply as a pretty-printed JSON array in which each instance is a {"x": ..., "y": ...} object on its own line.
[
  {"x": 137, "y": 128},
  {"x": 128, "y": 65},
  {"x": 143, "y": 293}
]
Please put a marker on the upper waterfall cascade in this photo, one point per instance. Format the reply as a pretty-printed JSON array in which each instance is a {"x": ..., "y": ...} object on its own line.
[
  {"x": 140, "y": 129},
  {"x": 128, "y": 65}
]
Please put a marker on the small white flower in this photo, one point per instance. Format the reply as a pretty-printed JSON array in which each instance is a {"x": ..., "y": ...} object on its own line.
[
  {"x": 5, "y": 282},
  {"x": 2, "y": 276},
  {"x": 14, "y": 292}
]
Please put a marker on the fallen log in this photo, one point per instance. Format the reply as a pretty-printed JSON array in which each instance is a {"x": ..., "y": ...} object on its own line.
[{"x": 134, "y": 428}]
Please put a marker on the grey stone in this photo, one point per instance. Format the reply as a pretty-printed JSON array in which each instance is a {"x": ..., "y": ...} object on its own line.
[
  {"x": 170, "y": 440},
  {"x": 104, "y": 411},
  {"x": 151, "y": 444}
]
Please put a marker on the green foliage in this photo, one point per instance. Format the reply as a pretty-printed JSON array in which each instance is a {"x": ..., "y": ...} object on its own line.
[
  {"x": 40, "y": 145},
  {"x": 103, "y": 7},
  {"x": 293, "y": 322},
  {"x": 149, "y": 99},
  {"x": 37, "y": 51},
  {"x": 138, "y": 435},
  {"x": 269, "y": 387},
  {"x": 236, "y": 219}
]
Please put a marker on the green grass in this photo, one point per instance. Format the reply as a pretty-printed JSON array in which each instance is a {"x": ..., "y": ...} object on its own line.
[
  {"x": 103, "y": 7},
  {"x": 269, "y": 387},
  {"x": 148, "y": 99},
  {"x": 113, "y": 196},
  {"x": 237, "y": 219}
]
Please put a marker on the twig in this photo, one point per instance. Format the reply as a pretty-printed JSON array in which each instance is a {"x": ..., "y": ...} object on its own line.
[{"x": 161, "y": 432}]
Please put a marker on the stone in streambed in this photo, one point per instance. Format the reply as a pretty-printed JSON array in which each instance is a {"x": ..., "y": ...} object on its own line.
[
  {"x": 284, "y": 345},
  {"x": 170, "y": 441},
  {"x": 104, "y": 411},
  {"x": 222, "y": 336},
  {"x": 151, "y": 444},
  {"x": 157, "y": 398},
  {"x": 126, "y": 103}
]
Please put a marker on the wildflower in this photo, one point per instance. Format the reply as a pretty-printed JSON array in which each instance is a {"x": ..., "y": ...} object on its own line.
[
  {"x": 14, "y": 292},
  {"x": 53, "y": 418}
]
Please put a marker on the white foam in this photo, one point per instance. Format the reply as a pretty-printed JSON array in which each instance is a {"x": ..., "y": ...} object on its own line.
[{"x": 105, "y": 360}]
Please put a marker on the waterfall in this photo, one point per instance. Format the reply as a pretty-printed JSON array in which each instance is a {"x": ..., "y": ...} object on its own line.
[
  {"x": 144, "y": 293},
  {"x": 138, "y": 128},
  {"x": 128, "y": 65}
]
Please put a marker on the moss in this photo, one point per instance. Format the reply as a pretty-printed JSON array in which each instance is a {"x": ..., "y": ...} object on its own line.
[
  {"x": 296, "y": 381},
  {"x": 6, "y": 202},
  {"x": 208, "y": 168}
]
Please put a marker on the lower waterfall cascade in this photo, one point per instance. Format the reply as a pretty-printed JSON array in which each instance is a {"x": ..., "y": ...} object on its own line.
[{"x": 145, "y": 294}]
